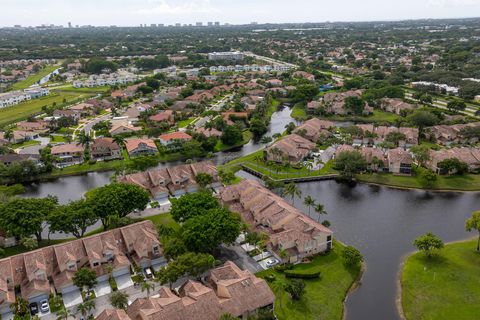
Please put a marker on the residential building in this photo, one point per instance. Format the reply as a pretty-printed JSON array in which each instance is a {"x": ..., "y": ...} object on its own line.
[
  {"x": 11, "y": 158},
  {"x": 169, "y": 139},
  {"x": 175, "y": 180},
  {"x": 291, "y": 149},
  {"x": 227, "y": 289},
  {"x": 140, "y": 147},
  {"x": 123, "y": 129},
  {"x": 67, "y": 154},
  {"x": 67, "y": 113},
  {"x": 395, "y": 105},
  {"x": 234, "y": 56},
  {"x": 470, "y": 156},
  {"x": 105, "y": 149},
  {"x": 399, "y": 161},
  {"x": 289, "y": 230},
  {"x": 166, "y": 116},
  {"x": 37, "y": 126},
  {"x": 314, "y": 128}
]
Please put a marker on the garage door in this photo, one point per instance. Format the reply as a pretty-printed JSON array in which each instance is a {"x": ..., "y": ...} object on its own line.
[
  {"x": 102, "y": 288},
  {"x": 124, "y": 281},
  {"x": 72, "y": 298}
]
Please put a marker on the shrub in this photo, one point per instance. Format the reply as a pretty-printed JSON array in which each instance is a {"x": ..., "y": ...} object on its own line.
[{"x": 283, "y": 267}]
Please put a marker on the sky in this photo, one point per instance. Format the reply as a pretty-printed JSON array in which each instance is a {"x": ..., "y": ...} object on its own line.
[{"x": 136, "y": 12}]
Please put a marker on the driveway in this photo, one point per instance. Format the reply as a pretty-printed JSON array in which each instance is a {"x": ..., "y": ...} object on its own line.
[
  {"x": 240, "y": 258},
  {"x": 7, "y": 315},
  {"x": 72, "y": 298},
  {"x": 102, "y": 288},
  {"x": 124, "y": 281},
  {"x": 37, "y": 301}
]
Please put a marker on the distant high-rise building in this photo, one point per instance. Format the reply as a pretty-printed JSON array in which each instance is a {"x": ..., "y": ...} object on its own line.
[
  {"x": 17, "y": 26},
  {"x": 178, "y": 24},
  {"x": 161, "y": 25},
  {"x": 153, "y": 25},
  {"x": 217, "y": 23},
  {"x": 210, "y": 23},
  {"x": 199, "y": 24},
  {"x": 69, "y": 24},
  {"x": 254, "y": 22}
]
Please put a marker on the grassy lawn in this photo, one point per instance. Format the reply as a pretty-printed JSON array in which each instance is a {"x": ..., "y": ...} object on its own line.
[
  {"x": 86, "y": 167},
  {"x": 186, "y": 122},
  {"x": 377, "y": 116},
  {"x": 247, "y": 136},
  {"x": 34, "y": 78},
  {"x": 272, "y": 108},
  {"x": 25, "y": 144},
  {"x": 467, "y": 182},
  {"x": 299, "y": 113},
  {"x": 23, "y": 110},
  {"x": 102, "y": 89},
  {"x": 164, "y": 219},
  {"x": 443, "y": 287},
  {"x": 57, "y": 139},
  {"x": 323, "y": 297}
]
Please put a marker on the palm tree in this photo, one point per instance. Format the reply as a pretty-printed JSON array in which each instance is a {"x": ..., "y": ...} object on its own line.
[
  {"x": 292, "y": 190},
  {"x": 309, "y": 202},
  {"x": 147, "y": 286},
  {"x": 118, "y": 139},
  {"x": 320, "y": 209},
  {"x": 64, "y": 314},
  {"x": 8, "y": 135},
  {"x": 83, "y": 308},
  {"x": 19, "y": 307},
  {"x": 84, "y": 139}
]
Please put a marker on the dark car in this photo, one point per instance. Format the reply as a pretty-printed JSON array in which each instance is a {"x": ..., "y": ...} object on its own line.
[{"x": 33, "y": 308}]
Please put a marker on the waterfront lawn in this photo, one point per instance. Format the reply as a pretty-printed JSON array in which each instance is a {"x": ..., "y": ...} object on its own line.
[
  {"x": 34, "y": 78},
  {"x": 378, "y": 116},
  {"x": 445, "y": 286},
  {"x": 299, "y": 113},
  {"x": 247, "y": 136},
  {"x": 467, "y": 182},
  {"x": 23, "y": 110},
  {"x": 323, "y": 297}
]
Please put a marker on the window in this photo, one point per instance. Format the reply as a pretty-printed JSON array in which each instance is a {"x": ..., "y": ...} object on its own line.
[{"x": 95, "y": 264}]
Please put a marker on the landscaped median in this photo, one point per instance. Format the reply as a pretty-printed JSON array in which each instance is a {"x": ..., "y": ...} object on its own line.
[
  {"x": 445, "y": 286},
  {"x": 324, "y": 296}
]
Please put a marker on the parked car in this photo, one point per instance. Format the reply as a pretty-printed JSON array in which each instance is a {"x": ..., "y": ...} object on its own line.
[
  {"x": 44, "y": 307},
  {"x": 271, "y": 262},
  {"x": 33, "y": 308},
  {"x": 148, "y": 273}
]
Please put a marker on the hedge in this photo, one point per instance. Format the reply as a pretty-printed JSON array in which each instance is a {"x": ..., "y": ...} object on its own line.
[{"x": 304, "y": 274}]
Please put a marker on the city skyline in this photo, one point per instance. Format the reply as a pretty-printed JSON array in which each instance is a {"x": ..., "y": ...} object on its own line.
[{"x": 171, "y": 12}]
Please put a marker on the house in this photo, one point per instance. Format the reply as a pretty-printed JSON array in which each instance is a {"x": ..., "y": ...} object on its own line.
[
  {"x": 175, "y": 180},
  {"x": 377, "y": 135},
  {"x": 227, "y": 289},
  {"x": 168, "y": 139},
  {"x": 20, "y": 136},
  {"x": 448, "y": 134},
  {"x": 470, "y": 156},
  {"x": 67, "y": 113},
  {"x": 212, "y": 132},
  {"x": 67, "y": 154},
  {"x": 166, "y": 116},
  {"x": 291, "y": 149},
  {"x": 106, "y": 149},
  {"x": 37, "y": 126},
  {"x": 334, "y": 102},
  {"x": 314, "y": 128},
  {"x": 38, "y": 272},
  {"x": 395, "y": 105},
  {"x": 140, "y": 147},
  {"x": 289, "y": 230},
  {"x": 399, "y": 161},
  {"x": 230, "y": 117},
  {"x": 304, "y": 75},
  {"x": 123, "y": 129},
  {"x": 11, "y": 158},
  {"x": 85, "y": 109}
]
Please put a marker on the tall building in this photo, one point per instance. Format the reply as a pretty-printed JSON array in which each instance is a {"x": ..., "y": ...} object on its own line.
[
  {"x": 217, "y": 23},
  {"x": 199, "y": 24},
  {"x": 210, "y": 23},
  {"x": 69, "y": 25},
  {"x": 234, "y": 56},
  {"x": 153, "y": 25}
]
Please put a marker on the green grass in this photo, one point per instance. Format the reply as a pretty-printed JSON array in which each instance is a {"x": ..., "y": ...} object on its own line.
[
  {"x": 23, "y": 110},
  {"x": 57, "y": 139},
  {"x": 467, "y": 182},
  {"x": 272, "y": 108},
  {"x": 34, "y": 78},
  {"x": 443, "y": 287},
  {"x": 164, "y": 219},
  {"x": 186, "y": 122},
  {"x": 378, "y": 116},
  {"x": 102, "y": 89},
  {"x": 247, "y": 136},
  {"x": 25, "y": 144},
  {"x": 299, "y": 113},
  {"x": 323, "y": 297}
]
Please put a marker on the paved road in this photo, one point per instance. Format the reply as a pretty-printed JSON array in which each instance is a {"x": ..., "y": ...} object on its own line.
[{"x": 87, "y": 126}]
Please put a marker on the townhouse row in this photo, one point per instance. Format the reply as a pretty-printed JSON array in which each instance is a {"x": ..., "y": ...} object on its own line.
[{"x": 13, "y": 98}]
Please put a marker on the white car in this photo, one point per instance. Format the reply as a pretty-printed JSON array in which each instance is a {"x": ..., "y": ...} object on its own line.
[
  {"x": 44, "y": 307},
  {"x": 271, "y": 262}
]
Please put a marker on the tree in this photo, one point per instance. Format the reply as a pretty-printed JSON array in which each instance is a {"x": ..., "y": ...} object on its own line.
[
  {"x": 191, "y": 205},
  {"x": 29, "y": 243},
  {"x": 85, "y": 278},
  {"x": 427, "y": 177},
  {"x": 292, "y": 190},
  {"x": 195, "y": 264},
  {"x": 258, "y": 128},
  {"x": 147, "y": 286},
  {"x": 170, "y": 273},
  {"x": 204, "y": 179},
  {"x": 204, "y": 233},
  {"x": 64, "y": 314},
  {"x": 84, "y": 139},
  {"x": 351, "y": 256},
  {"x": 73, "y": 218},
  {"x": 296, "y": 288},
  {"x": 350, "y": 163},
  {"x": 232, "y": 135},
  {"x": 453, "y": 165},
  {"x": 19, "y": 307},
  {"x": 320, "y": 209},
  {"x": 24, "y": 217},
  {"x": 422, "y": 119},
  {"x": 86, "y": 307},
  {"x": 421, "y": 153},
  {"x": 116, "y": 200},
  {"x": 473, "y": 223},
  {"x": 119, "y": 300},
  {"x": 227, "y": 316},
  {"x": 427, "y": 243},
  {"x": 354, "y": 104},
  {"x": 456, "y": 105},
  {"x": 309, "y": 202},
  {"x": 395, "y": 137}
]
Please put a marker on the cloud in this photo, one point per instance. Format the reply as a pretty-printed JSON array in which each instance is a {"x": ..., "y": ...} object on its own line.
[{"x": 182, "y": 8}]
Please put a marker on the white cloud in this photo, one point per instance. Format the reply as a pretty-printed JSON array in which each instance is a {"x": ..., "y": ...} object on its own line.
[
  {"x": 184, "y": 7},
  {"x": 452, "y": 3}
]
